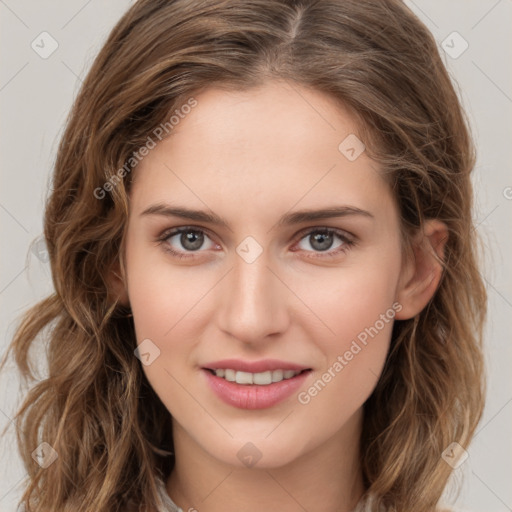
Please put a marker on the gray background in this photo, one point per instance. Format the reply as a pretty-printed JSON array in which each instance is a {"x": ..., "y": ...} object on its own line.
[{"x": 36, "y": 94}]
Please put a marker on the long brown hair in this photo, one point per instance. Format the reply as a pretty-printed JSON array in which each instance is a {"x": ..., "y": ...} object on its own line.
[{"x": 95, "y": 407}]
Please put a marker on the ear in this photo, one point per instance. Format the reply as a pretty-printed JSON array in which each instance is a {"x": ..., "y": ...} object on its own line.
[
  {"x": 117, "y": 284},
  {"x": 422, "y": 270}
]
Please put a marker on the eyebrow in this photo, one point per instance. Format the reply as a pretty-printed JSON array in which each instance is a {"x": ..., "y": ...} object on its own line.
[{"x": 287, "y": 219}]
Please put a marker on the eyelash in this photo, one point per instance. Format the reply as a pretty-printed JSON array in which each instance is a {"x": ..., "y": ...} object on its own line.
[{"x": 347, "y": 242}]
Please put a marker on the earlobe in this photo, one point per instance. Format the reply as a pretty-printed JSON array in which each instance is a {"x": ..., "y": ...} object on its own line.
[
  {"x": 422, "y": 274},
  {"x": 117, "y": 286}
]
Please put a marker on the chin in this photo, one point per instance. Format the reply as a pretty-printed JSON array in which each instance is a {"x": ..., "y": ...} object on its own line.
[{"x": 257, "y": 452}]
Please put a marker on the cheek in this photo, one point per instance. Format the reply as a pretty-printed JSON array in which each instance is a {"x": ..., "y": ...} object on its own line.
[
  {"x": 161, "y": 293},
  {"x": 168, "y": 310},
  {"x": 357, "y": 309},
  {"x": 347, "y": 301},
  {"x": 353, "y": 360},
  {"x": 163, "y": 308}
]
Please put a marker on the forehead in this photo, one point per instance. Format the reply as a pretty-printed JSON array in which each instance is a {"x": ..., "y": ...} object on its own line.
[
  {"x": 262, "y": 149},
  {"x": 265, "y": 119}
]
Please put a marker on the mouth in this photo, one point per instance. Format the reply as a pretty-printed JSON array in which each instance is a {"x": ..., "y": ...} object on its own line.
[{"x": 268, "y": 384}]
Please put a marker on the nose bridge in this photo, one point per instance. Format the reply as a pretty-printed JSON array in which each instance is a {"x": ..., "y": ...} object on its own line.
[{"x": 253, "y": 304}]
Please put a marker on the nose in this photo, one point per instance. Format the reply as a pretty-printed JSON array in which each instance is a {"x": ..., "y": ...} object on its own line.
[{"x": 253, "y": 301}]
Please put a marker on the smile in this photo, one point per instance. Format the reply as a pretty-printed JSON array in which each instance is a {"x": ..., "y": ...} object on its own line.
[{"x": 246, "y": 390}]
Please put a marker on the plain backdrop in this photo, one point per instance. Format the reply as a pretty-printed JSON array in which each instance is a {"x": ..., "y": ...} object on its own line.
[{"x": 36, "y": 93}]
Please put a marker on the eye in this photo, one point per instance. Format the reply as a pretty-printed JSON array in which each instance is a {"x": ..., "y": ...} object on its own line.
[
  {"x": 322, "y": 240},
  {"x": 190, "y": 239}
]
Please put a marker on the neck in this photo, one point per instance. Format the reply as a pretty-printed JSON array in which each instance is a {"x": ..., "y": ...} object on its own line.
[{"x": 327, "y": 478}]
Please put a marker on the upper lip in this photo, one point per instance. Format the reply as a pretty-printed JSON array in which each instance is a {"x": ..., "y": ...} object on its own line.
[{"x": 254, "y": 366}]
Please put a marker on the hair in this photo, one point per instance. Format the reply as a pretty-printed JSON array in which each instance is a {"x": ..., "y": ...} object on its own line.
[{"x": 95, "y": 407}]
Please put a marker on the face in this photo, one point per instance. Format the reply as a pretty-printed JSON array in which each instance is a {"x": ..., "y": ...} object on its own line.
[{"x": 251, "y": 281}]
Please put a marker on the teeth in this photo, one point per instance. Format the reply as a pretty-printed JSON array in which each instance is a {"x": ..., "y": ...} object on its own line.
[
  {"x": 260, "y": 379},
  {"x": 277, "y": 375},
  {"x": 229, "y": 375},
  {"x": 243, "y": 378}
]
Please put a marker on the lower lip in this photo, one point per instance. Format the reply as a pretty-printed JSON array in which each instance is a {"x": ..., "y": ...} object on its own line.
[{"x": 253, "y": 396}]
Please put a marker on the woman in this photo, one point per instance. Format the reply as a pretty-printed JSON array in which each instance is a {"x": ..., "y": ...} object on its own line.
[{"x": 266, "y": 288}]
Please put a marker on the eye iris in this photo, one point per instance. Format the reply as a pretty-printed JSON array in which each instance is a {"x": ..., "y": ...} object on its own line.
[
  {"x": 322, "y": 237},
  {"x": 193, "y": 237}
]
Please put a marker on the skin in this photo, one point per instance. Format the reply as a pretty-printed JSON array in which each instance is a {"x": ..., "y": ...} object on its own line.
[{"x": 251, "y": 157}]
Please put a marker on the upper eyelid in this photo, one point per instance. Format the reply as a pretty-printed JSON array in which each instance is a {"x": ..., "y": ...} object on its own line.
[
  {"x": 167, "y": 233},
  {"x": 336, "y": 231}
]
